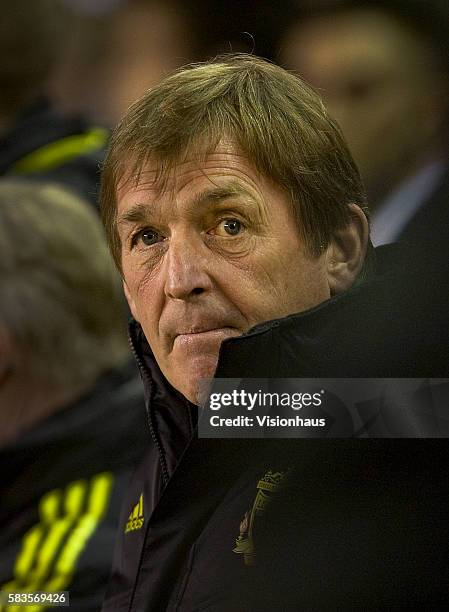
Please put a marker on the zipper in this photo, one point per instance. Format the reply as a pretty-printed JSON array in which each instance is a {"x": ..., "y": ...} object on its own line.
[
  {"x": 150, "y": 421},
  {"x": 165, "y": 476}
]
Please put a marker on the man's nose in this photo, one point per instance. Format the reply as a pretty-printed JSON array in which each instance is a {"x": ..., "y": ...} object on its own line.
[{"x": 186, "y": 268}]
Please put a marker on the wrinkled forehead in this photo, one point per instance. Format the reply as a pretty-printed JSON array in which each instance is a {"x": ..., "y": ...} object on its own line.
[
  {"x": 158, "y": 168},
  {"x": 168, "y": 177},
  {"x": 137, "y": 177}
]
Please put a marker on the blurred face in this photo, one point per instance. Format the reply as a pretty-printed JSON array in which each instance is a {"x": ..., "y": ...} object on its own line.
[
  {"x": 148, "y": 41},
  {"x": 209, "y": 257},
  {"x": 375, "y": 78}
]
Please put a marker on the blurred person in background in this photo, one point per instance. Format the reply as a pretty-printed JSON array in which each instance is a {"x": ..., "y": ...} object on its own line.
[
  {"x": 382, "y": 69},
  {"x": 116, "y": 50},
  {"x": 35, "y": 139},
  {"x": 71, "y": 410}
]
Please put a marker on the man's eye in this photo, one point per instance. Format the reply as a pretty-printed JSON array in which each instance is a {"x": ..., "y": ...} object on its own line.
[
  {"x": 231, "y": 227},
  {"x": 147, "y": 236}
]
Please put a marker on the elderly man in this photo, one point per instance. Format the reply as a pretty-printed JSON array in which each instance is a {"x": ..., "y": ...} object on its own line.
[{"x": 236, "y": 216}]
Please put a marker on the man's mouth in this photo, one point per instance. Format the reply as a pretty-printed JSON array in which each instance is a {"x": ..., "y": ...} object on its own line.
[{"x": 201, "y": 335}]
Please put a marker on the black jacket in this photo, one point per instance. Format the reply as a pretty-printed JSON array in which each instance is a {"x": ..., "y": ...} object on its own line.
[
  {"x": 45, "y": 145},
  {"x": 61, "y": 490},
  {"x": 355, "y": 524}
]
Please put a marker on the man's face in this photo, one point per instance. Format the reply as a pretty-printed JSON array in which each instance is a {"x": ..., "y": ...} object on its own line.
[
  {"x": 213, "y": 254},
  {"x": 375, "y": 77}
]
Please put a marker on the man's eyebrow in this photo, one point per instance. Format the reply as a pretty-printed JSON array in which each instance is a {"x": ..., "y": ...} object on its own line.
[
  {"x": 141, "y": 211},
  {"x": 136, "y": 214},
  {"x": 218, "y": 194}
]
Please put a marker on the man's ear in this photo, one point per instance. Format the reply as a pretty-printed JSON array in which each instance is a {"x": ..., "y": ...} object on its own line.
[
  {"x": 131, "y": 303},
  {"x": 346, "y": 251}
]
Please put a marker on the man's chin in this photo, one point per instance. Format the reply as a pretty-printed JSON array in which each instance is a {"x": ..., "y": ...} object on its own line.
[
  {"x": 193, "y": 360},
  {"x": 191, "y": 381}
]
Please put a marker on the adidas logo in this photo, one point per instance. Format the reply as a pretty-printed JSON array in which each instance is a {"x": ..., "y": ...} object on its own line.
[{"x": 136, "y": 518}]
